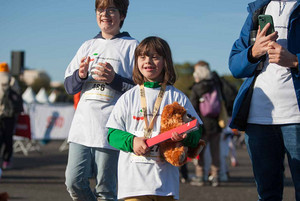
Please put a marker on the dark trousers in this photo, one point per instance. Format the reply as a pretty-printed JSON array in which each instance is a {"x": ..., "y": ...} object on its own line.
[
  {"x": 184, "y": 171},
  {"x": 7, "y": 126},
  {"x": 214, "y": 143}
]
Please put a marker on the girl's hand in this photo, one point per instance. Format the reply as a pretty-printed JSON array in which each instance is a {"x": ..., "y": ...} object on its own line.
[
  {"x": 281, "y": 56},
  {"x": 84, "y": 67},
  {"x": 262, "y": 41},
  {"x": 106, "y": 73},
  {"x": 139, "y": 146},
  {"x": 176, "y": 137}
]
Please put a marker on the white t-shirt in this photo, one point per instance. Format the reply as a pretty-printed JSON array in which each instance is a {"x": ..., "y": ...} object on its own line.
[
  {"x": 274, "y": 99},
  {"x": 97, "y": 99},
  {"x": 139, "y": 175}
]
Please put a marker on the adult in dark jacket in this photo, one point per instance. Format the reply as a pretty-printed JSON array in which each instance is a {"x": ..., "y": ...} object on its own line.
[{"x": 205, "y": 81}]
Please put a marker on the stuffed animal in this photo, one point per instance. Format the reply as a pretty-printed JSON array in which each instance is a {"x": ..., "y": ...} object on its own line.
[{"x": 175, "y": 153}]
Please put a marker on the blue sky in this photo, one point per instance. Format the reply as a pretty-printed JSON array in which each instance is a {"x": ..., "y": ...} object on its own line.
[{"x": 50, "y": 32}]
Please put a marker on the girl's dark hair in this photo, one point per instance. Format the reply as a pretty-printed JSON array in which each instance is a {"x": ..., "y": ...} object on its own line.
[
  {"x": 162, "y": 48},
  {"x": 121, "y": 5}
]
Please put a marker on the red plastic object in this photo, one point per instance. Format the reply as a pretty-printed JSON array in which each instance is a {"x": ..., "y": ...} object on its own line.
[{"x": 185, "y": 128}]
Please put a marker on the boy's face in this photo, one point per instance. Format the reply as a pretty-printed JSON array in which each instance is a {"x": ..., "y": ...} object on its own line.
[
  {"x": 151, "y": 66},
  {"x": 109, "y": 20}
]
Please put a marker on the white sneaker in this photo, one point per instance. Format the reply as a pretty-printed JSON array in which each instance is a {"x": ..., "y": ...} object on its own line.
[
  {"x": 197, "y": 181},
  {"x": 214, "y": 181}
]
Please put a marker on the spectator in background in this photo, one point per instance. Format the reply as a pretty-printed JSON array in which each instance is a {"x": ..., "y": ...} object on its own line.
[
  {"x": 9, "y": 111},
  {"x": 267, "y": 106},
  {"x": 207, "y": 81},
  {"x": 227, "y": 151},
  {"x": 101, "y": 70}
]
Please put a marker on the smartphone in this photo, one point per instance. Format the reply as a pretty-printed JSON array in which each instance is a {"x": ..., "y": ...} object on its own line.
[{"x": 263, "y": 20}]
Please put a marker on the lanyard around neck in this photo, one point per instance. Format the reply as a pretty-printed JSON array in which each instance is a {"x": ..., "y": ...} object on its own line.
[{"x": 148, "y": 128}]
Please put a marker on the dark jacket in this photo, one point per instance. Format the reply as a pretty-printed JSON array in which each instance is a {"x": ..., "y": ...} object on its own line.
[{"x": 210, "y": 125}]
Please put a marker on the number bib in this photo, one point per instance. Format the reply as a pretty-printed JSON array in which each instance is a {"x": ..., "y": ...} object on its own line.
[
  {"x": 96, "y": 90},
  {"x": 152, "y": 156}
]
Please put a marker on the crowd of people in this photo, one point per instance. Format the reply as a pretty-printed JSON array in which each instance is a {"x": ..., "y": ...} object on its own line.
[{"x": 122, "y": 86}]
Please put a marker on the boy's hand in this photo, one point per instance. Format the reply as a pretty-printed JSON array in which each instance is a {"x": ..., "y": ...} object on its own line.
[
  {"x": 106, "y": 73},
  {"x": 281, "y": 56},
  {"x": 139, "y": 146},
  {"x": 84, "y": 67},
  {"x": 260, "y": 46},
  {"x": 176, "y": 137}
]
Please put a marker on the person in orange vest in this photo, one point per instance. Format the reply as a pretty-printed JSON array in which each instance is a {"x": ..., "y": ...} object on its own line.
[{"x": 76, "y": 99}]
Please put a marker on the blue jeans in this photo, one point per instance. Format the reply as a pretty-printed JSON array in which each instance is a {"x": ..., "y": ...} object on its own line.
[
  {"x": 267, "y": 146},
  {"x": 86, "y": 162}
]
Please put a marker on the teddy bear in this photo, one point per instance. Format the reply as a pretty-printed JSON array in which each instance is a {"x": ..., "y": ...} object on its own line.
[{"x": 175, "y": 153}]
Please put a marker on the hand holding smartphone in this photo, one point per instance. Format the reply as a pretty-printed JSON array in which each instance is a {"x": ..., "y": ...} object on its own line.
[{"x": 263, "y": 20}]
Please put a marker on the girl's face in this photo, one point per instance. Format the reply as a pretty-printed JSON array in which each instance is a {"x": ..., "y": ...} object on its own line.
[
  {"x": 109, "y": 20},
  {"x": 151, "y": 66}
]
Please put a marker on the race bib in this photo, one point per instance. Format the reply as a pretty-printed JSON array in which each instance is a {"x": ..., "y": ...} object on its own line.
[
  {"x": 96, "y": 90},
  {"x": 152, "y": 156}
]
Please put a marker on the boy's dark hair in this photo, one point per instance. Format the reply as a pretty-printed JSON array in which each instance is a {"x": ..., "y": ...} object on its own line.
[
  {"x": 162, "y": 48},
  {"x": 121, "y": 5}
]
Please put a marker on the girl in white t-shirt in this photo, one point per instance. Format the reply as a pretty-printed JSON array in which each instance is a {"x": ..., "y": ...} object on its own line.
[{"x": 142, "y": 173}]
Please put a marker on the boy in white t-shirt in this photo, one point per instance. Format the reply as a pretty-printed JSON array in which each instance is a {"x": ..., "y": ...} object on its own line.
[
  {"x": 142, "y": 173},
  {"x": 101, "y": 70}
]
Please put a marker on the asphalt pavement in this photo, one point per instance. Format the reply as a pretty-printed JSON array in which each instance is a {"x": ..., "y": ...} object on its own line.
[{"x": 40, "y": 177}]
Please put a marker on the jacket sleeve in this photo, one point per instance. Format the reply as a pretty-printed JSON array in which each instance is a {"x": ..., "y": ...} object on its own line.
[
  {"x": 239, "y": 64},
  {"x": 121, "y": 84},
  {"x": 73, "y": 84}
]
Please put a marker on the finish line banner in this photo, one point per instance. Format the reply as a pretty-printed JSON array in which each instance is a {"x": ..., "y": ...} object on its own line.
[{"x": 50, "y": 121}]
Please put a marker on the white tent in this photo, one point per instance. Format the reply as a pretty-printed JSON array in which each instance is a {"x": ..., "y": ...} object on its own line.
[
  {"x": 52, "y": 97},
  {"x": 41, "y": 96},
  {"x": 28, "y": 96}
]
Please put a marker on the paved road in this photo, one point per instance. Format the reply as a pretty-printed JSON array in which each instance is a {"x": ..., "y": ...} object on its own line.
[{"x": 40, "y": 177}]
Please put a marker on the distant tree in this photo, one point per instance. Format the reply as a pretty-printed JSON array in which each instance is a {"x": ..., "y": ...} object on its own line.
[
  {"x": 234, "y": 81},
  {"x": 184, "y": 77},
  {"x": 40, "y": 83},
  {"x": 62, "y": 96}
]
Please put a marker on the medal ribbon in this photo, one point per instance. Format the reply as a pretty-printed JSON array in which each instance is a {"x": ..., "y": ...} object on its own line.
[{"x": 148, "y": 128}]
